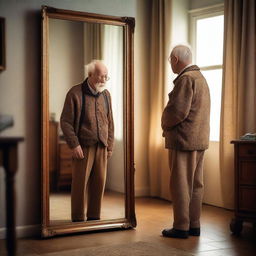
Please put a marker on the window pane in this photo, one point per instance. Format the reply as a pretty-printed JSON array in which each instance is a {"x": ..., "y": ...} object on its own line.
[
  {"x": 209, "y": 41},
  {"x": 214, "y": 80}
]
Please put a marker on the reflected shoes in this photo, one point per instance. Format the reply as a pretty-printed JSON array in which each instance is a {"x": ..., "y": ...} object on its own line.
[
  {"x": 81, "y": 220},
  {"x": 175, "y": 233},
  {"x": 89, "y": 218},
  {"x": 77, "y": 220}
]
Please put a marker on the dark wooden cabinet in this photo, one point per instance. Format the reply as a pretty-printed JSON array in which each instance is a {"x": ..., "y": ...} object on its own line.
[
  {"x": 245, "y": 184},
  {"x": 60, "y": 160},
  {"x": 64, "y": 176}
]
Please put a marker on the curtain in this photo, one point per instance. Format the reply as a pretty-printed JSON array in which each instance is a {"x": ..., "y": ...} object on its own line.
[
  {"x": 160, "y": 50},
  {"x": 239, "y": 86},
  {"x": 113, "y": 58},
  {"x": 93, "y": 42}
]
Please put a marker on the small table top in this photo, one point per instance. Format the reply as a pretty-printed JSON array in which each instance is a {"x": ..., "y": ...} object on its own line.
[
  {"x": 243, "y": 141},
  {"x": 10, "y": 140}
]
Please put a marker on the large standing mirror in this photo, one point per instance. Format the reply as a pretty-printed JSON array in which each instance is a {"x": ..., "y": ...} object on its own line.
[{"x": 70, "y": 40}]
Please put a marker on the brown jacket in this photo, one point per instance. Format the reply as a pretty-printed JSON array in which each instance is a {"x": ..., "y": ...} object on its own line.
[
  {"x": 97, "y": 123},
  {"x": 185, "y": 119}
]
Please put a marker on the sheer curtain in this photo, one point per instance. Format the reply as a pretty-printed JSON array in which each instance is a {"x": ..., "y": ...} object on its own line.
[
  {"x": 239, "y": 86},
  {"x": 114, "y": 59},
  {"x": 160, "y": 50}
]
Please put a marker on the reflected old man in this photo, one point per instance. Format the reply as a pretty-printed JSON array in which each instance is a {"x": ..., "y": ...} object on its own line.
[
  {"x": 88, "y": 128},
  {"x": 185, "y": 123}
]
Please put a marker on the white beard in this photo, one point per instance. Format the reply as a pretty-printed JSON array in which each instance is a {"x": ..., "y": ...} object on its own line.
[{"x": 100, "y": 87}]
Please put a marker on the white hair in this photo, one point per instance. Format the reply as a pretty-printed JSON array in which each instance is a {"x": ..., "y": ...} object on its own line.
[
  {"x": 90, "y": 67},
  {"x": 183, "y": 53}
]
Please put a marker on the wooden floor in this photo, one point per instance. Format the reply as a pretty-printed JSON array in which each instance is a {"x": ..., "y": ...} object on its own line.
[
  {"x": 152, "y": 216},
  {"x": 113, "y": 207}
]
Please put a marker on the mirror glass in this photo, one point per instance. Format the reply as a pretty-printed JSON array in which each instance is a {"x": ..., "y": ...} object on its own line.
[{"x": 71, "y": 46}]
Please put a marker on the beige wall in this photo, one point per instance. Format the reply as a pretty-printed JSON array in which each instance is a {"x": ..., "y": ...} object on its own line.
[
  {"x": 194, "y": 4},
  {"x": 66, "y": 63}
]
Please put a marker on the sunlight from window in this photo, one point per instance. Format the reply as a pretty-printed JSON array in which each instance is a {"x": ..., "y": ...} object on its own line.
[
  {"x": 209, "y": 41},
  {"x": 209, "y": 55},
  {"x": 113, "y": 57},
  {"x": 214, "y": 80}
]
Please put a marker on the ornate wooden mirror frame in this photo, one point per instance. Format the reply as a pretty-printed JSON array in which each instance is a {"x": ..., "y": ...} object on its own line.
[{"x": 129, "y": 219}]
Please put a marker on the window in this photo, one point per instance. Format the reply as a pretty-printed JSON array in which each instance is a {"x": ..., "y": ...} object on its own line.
[{"x": 207, "y": 31}]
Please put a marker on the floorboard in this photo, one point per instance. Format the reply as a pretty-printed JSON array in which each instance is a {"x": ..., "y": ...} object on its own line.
[{"x": 152, "y": 216}]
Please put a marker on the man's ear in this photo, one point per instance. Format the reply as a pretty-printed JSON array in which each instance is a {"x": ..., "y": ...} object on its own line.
[{"x": 176, "y": 59}]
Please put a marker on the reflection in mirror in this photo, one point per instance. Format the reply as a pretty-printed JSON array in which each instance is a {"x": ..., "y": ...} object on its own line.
[{"x": 72, "y": 45}]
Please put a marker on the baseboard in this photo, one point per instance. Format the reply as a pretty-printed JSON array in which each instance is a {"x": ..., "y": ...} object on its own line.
[
  {"x": 116, "y": 187},
  {"x": 23, "y": 231},
  {"x": 142, "y": 191}
]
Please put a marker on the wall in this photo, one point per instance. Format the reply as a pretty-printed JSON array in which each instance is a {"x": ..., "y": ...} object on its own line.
[
  {"x": 66, "y": 63},
  {"x": 20, "y": 93},
  {"x": 195, "y": 4},
  {"x": 180, "y": 21}
]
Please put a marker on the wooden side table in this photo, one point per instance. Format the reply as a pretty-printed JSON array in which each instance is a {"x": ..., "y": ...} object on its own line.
[
  {"x": 245, "y": 184},
  {"x": 8, "y": 159}
]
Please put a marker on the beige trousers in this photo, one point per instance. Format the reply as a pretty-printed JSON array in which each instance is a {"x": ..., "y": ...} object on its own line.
[
  {"x": 186, "y": 187},
  {"x": 88, "y": 182}
]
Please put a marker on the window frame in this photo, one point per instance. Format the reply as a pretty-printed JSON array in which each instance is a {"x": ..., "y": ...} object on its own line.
[{"x": 195, "y": 15}]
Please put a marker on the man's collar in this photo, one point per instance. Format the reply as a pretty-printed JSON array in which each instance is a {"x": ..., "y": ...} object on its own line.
[
  {"x": 87, "y": 88},
  {"x": 186, "y": 69},
  {"x": 94, "y": 92},
  {"x": 189, "y": 65}
]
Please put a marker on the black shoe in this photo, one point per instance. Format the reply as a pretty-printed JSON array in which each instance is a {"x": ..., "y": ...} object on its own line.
[
  {"x": 175, "y": 233},
  {"x": 194, "y": 231},
  {"x": 78, "y": 220},
  {"x": 88, "y": 219}
]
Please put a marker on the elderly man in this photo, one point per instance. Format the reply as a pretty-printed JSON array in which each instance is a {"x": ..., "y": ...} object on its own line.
[
  {"x": 88, "y": 128},
  {"x": 185, "y": 124}
]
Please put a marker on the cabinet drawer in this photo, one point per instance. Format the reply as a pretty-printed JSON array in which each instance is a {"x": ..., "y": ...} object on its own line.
[
  {"x": 67, "y": 178},
  {"x": 65, "y": 181},
  {"x": 248, "y": 150},
  {"x": 65, "y": 151},
  {"x": 247, "y": 199},
  {"x": 65, "y": 167},
  {"x": 247, "y": 172}
]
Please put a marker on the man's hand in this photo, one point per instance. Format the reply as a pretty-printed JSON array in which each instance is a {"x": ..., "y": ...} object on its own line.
[
  {"x": 109, "y": 154},
  {"x": 78, "y": 152}
]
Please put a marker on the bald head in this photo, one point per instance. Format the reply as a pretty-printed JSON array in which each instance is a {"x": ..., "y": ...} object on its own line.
[{"x": 180, "y": 57}]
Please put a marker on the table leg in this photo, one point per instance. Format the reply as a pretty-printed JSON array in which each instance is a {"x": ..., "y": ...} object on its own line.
[{"x": 10, "y": 166}]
